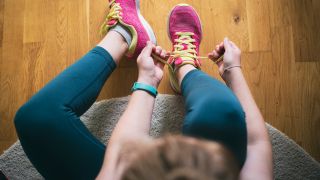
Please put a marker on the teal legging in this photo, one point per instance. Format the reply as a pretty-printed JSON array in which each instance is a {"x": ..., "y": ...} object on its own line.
[{"x": 61, "y": 147}]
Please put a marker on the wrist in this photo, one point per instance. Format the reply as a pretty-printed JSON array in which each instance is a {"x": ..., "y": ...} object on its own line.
[
  {"x": 148, "y": 81},
  {"x": 140, "y": 86},
  {"x": 143, "y": 94},
  {"x": 231, "y": 74}
]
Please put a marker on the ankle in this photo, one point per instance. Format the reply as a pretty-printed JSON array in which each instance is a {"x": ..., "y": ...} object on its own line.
[
  {"x": 115, "y": 44},
  {"x": 183, "y": 71},
  {"x": 124, "y": 32}
]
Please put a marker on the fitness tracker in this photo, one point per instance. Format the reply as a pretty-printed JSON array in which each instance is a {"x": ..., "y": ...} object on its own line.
[{"x": 145, "y": 87}]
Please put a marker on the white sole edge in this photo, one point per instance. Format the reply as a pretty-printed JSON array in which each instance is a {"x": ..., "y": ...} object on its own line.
[{"x": 145, "y": 24}]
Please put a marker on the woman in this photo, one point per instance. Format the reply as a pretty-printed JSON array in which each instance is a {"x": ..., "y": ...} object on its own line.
[{"x": 221, "y": 140}]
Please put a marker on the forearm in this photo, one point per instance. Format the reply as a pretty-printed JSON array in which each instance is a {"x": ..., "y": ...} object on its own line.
[
  {"x": 135, "y": 121},
  {"x": 259, "y": 146},
  {"x": 133, "y": 126},
  {"x": 258, "y": 164},
  {"x": 255, "y": 122}
]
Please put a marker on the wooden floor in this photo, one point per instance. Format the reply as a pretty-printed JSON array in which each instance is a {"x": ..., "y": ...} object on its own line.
[{"x": 280, "y": 41}]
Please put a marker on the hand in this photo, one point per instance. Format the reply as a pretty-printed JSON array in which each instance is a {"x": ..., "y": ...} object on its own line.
[
  {"x": 150, "y": 70},
  {"x": 231, "y": 57}
]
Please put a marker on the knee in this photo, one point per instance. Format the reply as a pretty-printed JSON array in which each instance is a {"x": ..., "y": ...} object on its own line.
[
  {"x": 31, "y": 119},
  {"x": 229, "y": 109},
  {"x": 215, "y": 115},
  {"x": 24, "y": 119},
  {"x": 222, "y": 120}
]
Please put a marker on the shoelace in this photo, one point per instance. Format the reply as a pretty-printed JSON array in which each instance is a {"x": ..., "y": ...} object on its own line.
[
  {"x": 184, "y": 49},
  {"x": 173, "y": 79},
  {"x": 113, "y": 17},
  {"x": 184, "y": 53}
]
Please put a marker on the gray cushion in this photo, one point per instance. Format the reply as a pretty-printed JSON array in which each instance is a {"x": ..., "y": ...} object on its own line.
[{"x": 290, "y": 160}]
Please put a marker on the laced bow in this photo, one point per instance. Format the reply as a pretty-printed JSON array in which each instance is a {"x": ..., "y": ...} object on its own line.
[
  {"x": 114, "y": 16},
  {"x": 184, "y": 53}
]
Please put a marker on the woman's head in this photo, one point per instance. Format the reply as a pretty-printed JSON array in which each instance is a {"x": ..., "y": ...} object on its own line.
[{"x": 182, "y": 158}]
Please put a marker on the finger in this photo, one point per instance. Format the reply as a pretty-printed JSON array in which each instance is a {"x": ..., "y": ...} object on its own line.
[
  {"x": 220, "y": 63},
  {"x": 160, "y": 65},
  {"x": 163, "y": 54},
  {"x": 226, "y": 43},
  {"x": 221, "y": 47},
  {"x": 231, "y": 42},
  {"x": 154, "y": 49},
  {"x": 210, "y": 56},
  {"x": 234, "y": 45},
  {"x": 168, "y": 54},
  {"x": 217, "y": 48},
  {"x": 148, "y": 49},
  {"x": 221, "y": 44},
  {"x": 215, "y": 54},
  {"x": 158, "y": 50}
]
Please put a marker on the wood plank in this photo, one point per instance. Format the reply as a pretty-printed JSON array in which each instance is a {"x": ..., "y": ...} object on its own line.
[
  {"x": 33, "y": 53},
  {"x": 12, "y": 95},
  {"x": 1, "y": 22},
  {"x": 255, "y": 68},
  {"x": 282, "y": 67},
  {"x": 307, "y": 102},
  {"x": 1, "y": 33},
  {"x": 78, "y": 30},
  {"x": 34, "y": 22},
  {"x": 258, "y": 25},
  {"x": 296, "y": 110},
  {"x": 280, "y": 13},
  {"x": 305, "y": 23},
  {"x": 34, "y": 33},
  {"x": 97, "y": 11}
]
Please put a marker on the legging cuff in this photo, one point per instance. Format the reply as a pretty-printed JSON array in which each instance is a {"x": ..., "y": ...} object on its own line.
[
  {"x": 106, "y": 55},
  {"x": 186, "y": 79}
]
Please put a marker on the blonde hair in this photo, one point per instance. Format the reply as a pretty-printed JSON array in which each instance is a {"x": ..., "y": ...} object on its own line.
[{"x": 182, "y": 158}]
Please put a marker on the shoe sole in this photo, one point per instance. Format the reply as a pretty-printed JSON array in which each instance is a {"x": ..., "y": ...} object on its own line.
[
  {"x": 172, "y": 75},
  {"x": 145, "y": 24}
]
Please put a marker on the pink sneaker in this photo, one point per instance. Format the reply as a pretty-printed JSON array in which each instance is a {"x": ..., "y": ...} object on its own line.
[
  {"x": 185, "y": 32},
  {"x": 127, "y": 13}
]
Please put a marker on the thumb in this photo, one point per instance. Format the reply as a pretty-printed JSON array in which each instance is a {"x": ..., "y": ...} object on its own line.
[
  {"x": 148, "y": 49},
  {"x": 227, "y": 45}
]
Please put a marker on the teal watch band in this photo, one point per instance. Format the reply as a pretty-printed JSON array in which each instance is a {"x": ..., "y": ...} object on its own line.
[{"x": 144, "y": 87}]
